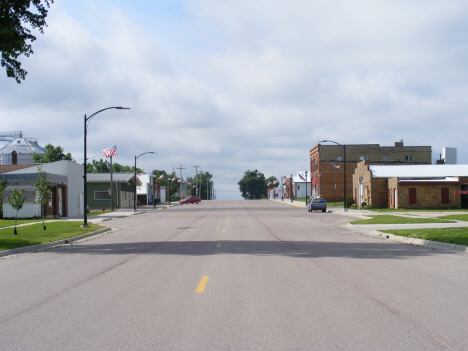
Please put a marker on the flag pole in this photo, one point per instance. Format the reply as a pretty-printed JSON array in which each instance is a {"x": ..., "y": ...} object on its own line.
[{"x": 111, "y": 183}]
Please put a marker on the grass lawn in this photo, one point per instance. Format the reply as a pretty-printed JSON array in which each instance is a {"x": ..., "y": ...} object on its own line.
[
  {"x": 389, "y": 219},
  {"x": 34, "y": 234},
  {"x": 10, "y": 222},
  {"x": 459, "y": 217},
  {"x": 417, "y": 210},
  {"x": 457, "y": 236}
]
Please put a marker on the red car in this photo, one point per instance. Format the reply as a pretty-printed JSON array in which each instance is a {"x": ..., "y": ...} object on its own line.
[{"x": 190, "y": 200}]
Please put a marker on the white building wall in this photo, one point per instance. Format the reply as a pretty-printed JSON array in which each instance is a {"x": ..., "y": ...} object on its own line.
[
  {"x": 29, "y": 210},
  {"x": 74, "y": 173}
]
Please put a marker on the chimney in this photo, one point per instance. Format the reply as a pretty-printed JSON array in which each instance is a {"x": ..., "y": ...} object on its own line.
[{"x": 399, "y": 143}]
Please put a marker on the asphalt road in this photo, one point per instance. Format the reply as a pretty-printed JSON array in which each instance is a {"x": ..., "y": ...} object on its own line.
[{"x": 234, "y": 275}]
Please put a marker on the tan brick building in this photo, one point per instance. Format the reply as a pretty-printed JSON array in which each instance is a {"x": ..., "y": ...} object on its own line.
[
  {"x": 327, "y": 166},
  {"x": 417, "y": 186}
]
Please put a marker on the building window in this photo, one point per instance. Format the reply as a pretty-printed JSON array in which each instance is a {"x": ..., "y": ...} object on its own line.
[
  {"x": 409, "y": 158},
  {"x": 412, "y": 196},
  {"x": 298, "y": 187},
  {"x": 386, "y": 159},
  {"x": 101, "y": 195},
  {"x": 363, "y": 158},
  {"x": 444, "y": 194}
]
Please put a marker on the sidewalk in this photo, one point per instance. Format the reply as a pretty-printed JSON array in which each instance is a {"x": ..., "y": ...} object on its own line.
[{"x": 122, "y": 213}]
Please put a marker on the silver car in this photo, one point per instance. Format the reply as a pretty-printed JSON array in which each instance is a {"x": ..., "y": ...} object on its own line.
[{"x": 318, "y": 204}]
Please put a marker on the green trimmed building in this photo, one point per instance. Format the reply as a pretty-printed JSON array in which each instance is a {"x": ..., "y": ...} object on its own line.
[{"x": 99, "y": 193}]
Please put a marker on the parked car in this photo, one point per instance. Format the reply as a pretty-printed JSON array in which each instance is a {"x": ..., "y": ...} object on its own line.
[
  {"x": 318, "y": 204},
  {"x": 190, "y": 200}
]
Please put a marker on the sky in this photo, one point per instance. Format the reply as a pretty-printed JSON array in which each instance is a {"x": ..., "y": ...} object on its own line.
[{"x": 232, "y": 86}]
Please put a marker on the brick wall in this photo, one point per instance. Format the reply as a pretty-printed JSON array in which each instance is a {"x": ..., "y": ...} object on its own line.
[
  {"x": 375, "y": 153},
  {"x": 428, "y": 195},
  {"x": 329, "y": 176},
  {"x": 326, "y": 176}
]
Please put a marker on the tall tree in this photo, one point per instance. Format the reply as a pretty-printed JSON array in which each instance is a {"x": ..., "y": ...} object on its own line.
[
  {"x": 43, "y": 191},
  {"x": 16, "y": 202},
  {"x": 271, "y": 180},
  {"x": 103, "y": 166},
  {"x": 52, "y": 154},
  {"x": 17, "y": 19},
  {"x": 253, "y": 185}
]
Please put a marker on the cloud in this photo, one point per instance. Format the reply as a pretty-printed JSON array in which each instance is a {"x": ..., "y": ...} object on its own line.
[{"x": 244, "y": 85}]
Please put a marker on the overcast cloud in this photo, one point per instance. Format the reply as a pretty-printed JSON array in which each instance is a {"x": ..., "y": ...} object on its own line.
[{"x": 237, "y": 85}]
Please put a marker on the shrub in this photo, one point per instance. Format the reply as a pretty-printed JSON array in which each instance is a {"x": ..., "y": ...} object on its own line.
[{"x": 349, "y": 201}]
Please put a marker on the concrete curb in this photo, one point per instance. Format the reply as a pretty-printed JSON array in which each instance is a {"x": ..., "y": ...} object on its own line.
[
  {"x": 38, "y": 247},
  {"x": 435, "y": 245}
]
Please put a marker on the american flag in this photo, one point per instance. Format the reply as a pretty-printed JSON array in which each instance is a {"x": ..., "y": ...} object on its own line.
[
  {"x": 180, "y": 181},
  {"x": 284, "y": 178},
  {"x": 110, "y": 151},
  {"x": 268, "y": 184},
  {"x": 300, "y": 176},
  {"x": 336, "y": 166},
  {"x": 139, "y": 174},
  {"x": 275, "y": 181},
  {"x": 172, "y": 179},
  {"x": 189, "y": 183},
  {"x": 161, "y": 176},
  {"x": 193, "y": 186}
]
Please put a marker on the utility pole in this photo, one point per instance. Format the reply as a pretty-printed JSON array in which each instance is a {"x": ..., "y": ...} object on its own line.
[
  {"x": 196, "y": 180},
  {"x": 200, "y": 183},
  {"x": 180, "y": 191}
]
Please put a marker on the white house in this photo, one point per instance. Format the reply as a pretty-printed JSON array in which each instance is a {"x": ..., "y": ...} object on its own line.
[
  {"x": 301, "y": 184},
  {"x": 145, "y": 192},
  {"x": 66, "y": 178}
]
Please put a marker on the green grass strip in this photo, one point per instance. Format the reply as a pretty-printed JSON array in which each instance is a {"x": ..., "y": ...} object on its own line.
[
  {"x": 418, "y": 210},
  {"x": 11, "y": 222},
  {"x": 389, "y": 219},
  {"x": 458, "y": 217},
  {"x": 457, "y": 236},
  {"x": 34, "y": 234}
]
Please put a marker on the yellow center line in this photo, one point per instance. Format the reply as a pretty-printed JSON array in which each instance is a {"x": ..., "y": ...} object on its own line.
[
  {"x": 219, "y": 245},
  {"x": 224, "y": 230},
  {"x": 201, "y": 286},
  {"x": 297, "y": 206},
  {"x": 226, "y": 220}
]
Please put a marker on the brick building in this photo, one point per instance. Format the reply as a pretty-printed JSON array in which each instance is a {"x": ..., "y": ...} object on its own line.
[
  {"x": 326, "y": 164},
  {"x": 416, "y": 186}
]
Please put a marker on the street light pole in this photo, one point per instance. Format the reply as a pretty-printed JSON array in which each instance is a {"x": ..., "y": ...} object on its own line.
[
  {"x": 87, "y": 120},
  {"x": 345, "y": 209},
  {"x": 306, "y": 186},
  {"x": 290, "y": 188},
  {"x": 135, "y": 195},
  {"x": 282, "y": 189}
]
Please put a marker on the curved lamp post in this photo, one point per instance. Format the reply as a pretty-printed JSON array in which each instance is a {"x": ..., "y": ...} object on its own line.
[
  {"x": 87, "y": 120},
  {"x": 290, "y": 188},
  {"x": 344, "y": 168},
  {"x": 135, "y": 195},
  {"x": 306, "y": 186}
]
